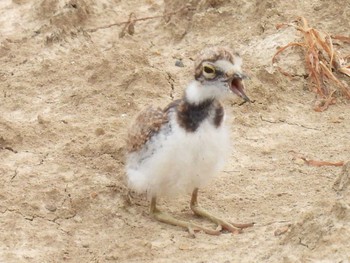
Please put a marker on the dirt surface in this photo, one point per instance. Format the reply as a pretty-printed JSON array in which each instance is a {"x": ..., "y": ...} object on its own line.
[{"x": 67, "y": 96}]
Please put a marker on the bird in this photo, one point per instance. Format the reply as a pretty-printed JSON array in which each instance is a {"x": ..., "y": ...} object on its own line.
[{"x": 180, "y": 148}]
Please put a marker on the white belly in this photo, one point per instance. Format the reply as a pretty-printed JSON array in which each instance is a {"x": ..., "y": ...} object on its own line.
[{"x": 179, "y": 161}]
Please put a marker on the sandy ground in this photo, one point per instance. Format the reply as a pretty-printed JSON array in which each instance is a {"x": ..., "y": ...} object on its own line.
[{"x": 67, "y": 96}]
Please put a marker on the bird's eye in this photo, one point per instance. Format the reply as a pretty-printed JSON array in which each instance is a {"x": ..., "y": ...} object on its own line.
[{"x": 209, "y": 71}]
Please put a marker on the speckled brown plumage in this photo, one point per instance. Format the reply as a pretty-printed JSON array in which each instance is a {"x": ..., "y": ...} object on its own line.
[
  {"x": 147, "y": 123},
  {"x": 219, "y": 114}
]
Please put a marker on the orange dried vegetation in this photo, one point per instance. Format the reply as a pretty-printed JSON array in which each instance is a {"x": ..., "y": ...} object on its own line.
[{"x": 323, "y": 62}]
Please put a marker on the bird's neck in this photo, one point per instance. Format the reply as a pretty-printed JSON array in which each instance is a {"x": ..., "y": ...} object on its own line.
[
  {"x": 190, "y": 116},
  {"x": 196, "y": 94},
  {"x": 195, "y": 108}
]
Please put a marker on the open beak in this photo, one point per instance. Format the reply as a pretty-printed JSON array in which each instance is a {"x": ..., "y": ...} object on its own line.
[{"x": 237, "y": 87}]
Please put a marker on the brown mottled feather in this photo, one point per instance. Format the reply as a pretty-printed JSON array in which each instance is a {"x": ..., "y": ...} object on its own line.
[
  {"x": 219, "y": 114},
  {"x": 147, "y": 123}
]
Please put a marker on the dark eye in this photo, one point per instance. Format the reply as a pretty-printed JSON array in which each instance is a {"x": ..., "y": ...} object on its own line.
[{"x": 208, "y": 70}]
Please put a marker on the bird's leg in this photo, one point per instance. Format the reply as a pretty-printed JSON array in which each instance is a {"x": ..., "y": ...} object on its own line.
[
  {"x": 165, "y": 218},
  {"x": 232, "y": 227}
]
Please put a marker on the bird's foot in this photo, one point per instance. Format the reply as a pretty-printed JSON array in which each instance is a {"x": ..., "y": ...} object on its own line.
[
  {"x": 191, "y": 227},
  {"x": 234, "y": 228},
  {"x": 231, "y": 227}
]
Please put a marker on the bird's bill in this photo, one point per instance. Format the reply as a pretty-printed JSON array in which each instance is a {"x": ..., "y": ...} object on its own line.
[{"x": 237, "y": 87}]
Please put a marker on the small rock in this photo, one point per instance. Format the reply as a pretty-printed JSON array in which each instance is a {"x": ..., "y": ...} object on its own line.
[
  {"x": 158, "y": 244},
  {"x": 86, "y": 245},
  {"x": 299, "y": 161},
  {"x": 114, "y": 257},
  {"x": 78, "y": 219},
  {"x": 179, "y": 63},
  {"x": 342, "y": 183},
  {"x": 99, "y": 132},
  {"x": 282, "y": 230},
  {"x": 184, "y": 246},
  {"x": 51, "y": 207},
  {"x": 337, "y": 119},
  {"x": 41, "y": 119}
]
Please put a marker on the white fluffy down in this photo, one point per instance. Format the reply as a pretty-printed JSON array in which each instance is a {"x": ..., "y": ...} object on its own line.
[
  {"x": 195, "y": 92},
  {"x": 179, "y": 161}
]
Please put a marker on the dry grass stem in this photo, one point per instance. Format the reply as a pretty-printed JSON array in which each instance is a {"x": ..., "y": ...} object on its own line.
[
  {"x": 130, "y": 23},
  {"x": 325, "y": 64}
]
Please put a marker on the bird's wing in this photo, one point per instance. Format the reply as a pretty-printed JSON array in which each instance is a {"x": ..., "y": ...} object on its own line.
[
  {"x": 148, "y": 122},
  {"x": 172, "y": 105}
]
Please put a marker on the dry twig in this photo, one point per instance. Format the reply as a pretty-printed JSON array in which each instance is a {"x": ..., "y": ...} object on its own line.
[
  {"x": 317, "y": 163},
  {"x": 322, "y": 62},
  {"x": 130, "y": 23},
  {"x": 321, "y": 163}
]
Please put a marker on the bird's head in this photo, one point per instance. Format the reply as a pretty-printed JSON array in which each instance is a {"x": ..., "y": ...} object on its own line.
[{"x": 217, "y": 72}]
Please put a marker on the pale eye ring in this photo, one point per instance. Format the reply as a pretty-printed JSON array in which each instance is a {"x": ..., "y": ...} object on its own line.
[{"x": 209, "y": 71}]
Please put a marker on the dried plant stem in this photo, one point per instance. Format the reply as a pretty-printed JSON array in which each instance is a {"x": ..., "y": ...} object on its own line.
[
  {"x": 321, "y": 60},
  {"x": 134, "y": 20}
]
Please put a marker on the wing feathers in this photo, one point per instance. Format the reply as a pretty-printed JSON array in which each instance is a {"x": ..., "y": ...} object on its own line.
[{"x": 147, "y": 123}]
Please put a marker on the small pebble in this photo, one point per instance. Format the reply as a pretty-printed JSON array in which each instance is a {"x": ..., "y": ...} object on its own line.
[
  {"x": 179, "y": 63},
  {"x": 99, "y": 132},
  {"x": 41, "y": 119},
  {"x": 86, "y": 245},
  {"x": 78, "y": 219},
  {"x": 299, "y": 161},
  {"x": 51, "y": 207},
  {"x": 282, "y": 230}
]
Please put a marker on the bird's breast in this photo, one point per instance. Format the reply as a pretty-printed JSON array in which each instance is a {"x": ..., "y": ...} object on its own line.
[{"x": 190, "y": 117}]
